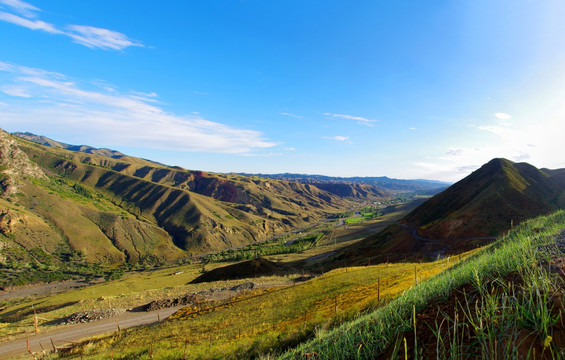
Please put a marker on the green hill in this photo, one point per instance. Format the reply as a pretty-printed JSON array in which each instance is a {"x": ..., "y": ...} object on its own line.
[
  {"x": 503, "y": 303},
  {"x": 470, "y": 213},
  {"x": 488, "y": 201},
  {"x": 111, "y": 210}
]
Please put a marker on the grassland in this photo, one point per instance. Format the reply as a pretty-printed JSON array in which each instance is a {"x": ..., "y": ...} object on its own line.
[
  {"x": 505, "y": 303},
  {"x": 269, "y": 319},
  {"x": 364, "y": 214}
]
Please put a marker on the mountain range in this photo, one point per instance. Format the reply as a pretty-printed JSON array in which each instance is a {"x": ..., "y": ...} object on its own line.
[
  {"x": 61, "y": 202},
  {"x": 419, "y": 185}
]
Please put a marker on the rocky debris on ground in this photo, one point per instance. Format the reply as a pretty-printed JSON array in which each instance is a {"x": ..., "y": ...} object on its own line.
[
  {"x": 90, "y": 315},
  {"x": 15, "y": 164},
  {"x": 194, "y": 298},
  {"x": 186, "y": 299}
]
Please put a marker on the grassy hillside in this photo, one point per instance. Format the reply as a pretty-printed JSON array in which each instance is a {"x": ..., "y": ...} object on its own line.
[
  {"x": 201, "y": 212},
  {"x": 504, "y": 302},
  {"x": 487, "y": 202},
  {"x": 111, "y": 210},
  {"x": 265, "y": 319},
  {"x": 470, "y": 213}
]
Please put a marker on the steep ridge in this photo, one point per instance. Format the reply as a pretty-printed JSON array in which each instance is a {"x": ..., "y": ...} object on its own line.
[
  {"x": 353, "y": 190},
  {"x": 487, "y": 202},
  {"x": 381, "y": 182},
  {"x": 224, "y": 187},
  {"x": 197, "y": 211},
  {"x": 56, "y": 144},
  {"x": 470, "y": 213},
  {"x": 44, "y": 220}
]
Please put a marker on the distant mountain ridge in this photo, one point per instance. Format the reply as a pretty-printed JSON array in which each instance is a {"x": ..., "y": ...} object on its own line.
[
  {"x": 43, "y": 140},
  {"x": 380, "y": 181}
]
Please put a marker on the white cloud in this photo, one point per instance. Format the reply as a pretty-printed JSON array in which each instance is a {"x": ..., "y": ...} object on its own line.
[
  {"x": 337, "y": 138},
  {"x": 359, "y": 119},
  {"x": 21, "y": 7},
  {"x": 454, "y": 152},
  {"x": 536, "y": 138},
  {"x": 412, "y": 128},
  {"x": 89, "y": 36},
  {"x": 15, "y": 91},
  {"x": 502, "y": 116},
  {"x": 30, "y": 24},
  {"x": 94, "y": 37},
  {"x": 109, "y": 117},
  {"x": 290, "y": 149},
  {"x": 292, "y": 115}
]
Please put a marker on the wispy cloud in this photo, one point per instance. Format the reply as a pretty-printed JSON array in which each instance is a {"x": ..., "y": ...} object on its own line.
[
  {"x": 88, "y": 36},
  {"x": 93, "y": 37},
  {"x": 337, "y": 138},
  {"x": 292, "y": 115},
  {"x": 536, "y": 139},
  {"x": 56, "y": 103},
  {"x": 20, "y": 7},
  {"x": 15, "y": 91},
  {"x": 30, "y": 24},
  {"x": 359, "y": 119},
  {"x": 503, "y": 116},
  {"x": 454, "y": 152}
]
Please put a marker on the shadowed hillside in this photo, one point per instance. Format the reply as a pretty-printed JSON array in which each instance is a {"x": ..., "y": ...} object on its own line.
[
  {"x": 468, "y": 214},
  {"x": 488, "y": 201}
]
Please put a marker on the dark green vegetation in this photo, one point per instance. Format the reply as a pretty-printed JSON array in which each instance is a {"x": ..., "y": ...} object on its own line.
[
  {"x": 246, "y": 269},
  {"x": 276, "y": 247},
  {"x": 505, "y": 302}
]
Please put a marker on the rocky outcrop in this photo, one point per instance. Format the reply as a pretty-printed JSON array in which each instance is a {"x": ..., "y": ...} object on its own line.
[{"x": 14, "y": 164}]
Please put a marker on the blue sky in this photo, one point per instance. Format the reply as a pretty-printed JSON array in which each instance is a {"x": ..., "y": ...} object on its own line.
[{"x": 406, "y": 89}]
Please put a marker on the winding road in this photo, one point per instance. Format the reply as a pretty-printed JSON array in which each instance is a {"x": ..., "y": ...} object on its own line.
[{"x": 67, "y": 335}]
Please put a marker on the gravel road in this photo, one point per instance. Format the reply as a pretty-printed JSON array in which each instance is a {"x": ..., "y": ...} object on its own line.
[{"x": 74, "y": 333}]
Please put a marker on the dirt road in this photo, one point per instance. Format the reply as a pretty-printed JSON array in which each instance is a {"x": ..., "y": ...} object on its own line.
[{"x": 74, "y": 333}]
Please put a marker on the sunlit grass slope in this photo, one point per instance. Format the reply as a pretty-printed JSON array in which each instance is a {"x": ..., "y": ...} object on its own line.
[
  {"x": 497, "y": 321},
  {"x": 267, "y": 319},
  {"x": 134, "y": 289}
]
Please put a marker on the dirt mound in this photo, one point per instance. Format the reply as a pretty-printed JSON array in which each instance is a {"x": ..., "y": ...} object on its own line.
[
  {"x": 246, "y": 269},
  {"x": 200, "y": 297},
  {"x": 88, "y": 316},
  {"x": 167, "y": 303}
]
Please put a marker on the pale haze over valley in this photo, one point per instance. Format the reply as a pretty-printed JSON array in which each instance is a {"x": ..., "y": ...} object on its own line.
[{"x": 427, "y": 90}]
